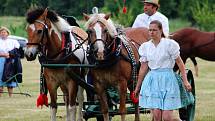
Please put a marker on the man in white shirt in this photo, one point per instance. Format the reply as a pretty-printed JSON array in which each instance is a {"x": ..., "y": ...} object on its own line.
[{"x": 150, "y": 14}]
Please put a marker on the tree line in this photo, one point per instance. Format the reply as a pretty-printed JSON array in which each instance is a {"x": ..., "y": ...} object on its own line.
[{"x": 190, "y": 10}]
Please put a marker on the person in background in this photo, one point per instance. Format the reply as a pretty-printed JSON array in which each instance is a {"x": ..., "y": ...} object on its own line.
[
  {"x": 8, "y": 49},
  {"x": 150, "y": 14},
  {"x": 157, "y": 83}
]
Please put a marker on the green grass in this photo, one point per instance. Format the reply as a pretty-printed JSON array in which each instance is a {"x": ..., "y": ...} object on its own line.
[{"x": 21, "y": 108}]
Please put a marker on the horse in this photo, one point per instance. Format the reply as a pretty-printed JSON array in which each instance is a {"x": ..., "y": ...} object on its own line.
[
  {"x": 138, "y": 35},
  {"x": 46, "y": 31},
  {"x": 116, "y": 61},
  {"x": 195, "y": 43}
]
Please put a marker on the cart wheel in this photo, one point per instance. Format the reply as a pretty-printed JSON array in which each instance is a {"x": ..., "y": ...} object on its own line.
[{"x": 187, "y": 113}]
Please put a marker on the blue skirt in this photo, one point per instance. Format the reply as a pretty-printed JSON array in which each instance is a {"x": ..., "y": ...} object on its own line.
[
  {"x": 161, "y": 90},
  {"x": 8, "y": 84}
]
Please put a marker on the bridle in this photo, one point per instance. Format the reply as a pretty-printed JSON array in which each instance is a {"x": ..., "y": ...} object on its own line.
[
  {"x": 112, "y": 46},
  {"x": 41, "y": 43},
  {"x": 43, "y": 58},
  {"x": 108, "y": 44}
]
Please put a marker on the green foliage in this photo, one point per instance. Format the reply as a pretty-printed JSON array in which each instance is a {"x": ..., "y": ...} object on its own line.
[
  {"x": 167, "y": 7},
  {"x": 204, "y": 14},
  {"x": 16, "y": 25},
  {"x": 134, "y": 7},
  {"x": 175, "y": 24}
]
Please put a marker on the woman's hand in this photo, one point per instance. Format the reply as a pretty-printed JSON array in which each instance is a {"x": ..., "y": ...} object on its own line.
[{"x": 187, "y": 86}]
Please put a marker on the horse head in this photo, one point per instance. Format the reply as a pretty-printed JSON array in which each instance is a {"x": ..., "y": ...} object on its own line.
[
  {"x": 101, "y": 33},
  {"x": 43, "y": 31}
]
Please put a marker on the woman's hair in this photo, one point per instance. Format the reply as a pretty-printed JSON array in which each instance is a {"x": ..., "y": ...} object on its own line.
[
  {"x": 158, "y": 23},
  {"x": 5, "y": 28}
]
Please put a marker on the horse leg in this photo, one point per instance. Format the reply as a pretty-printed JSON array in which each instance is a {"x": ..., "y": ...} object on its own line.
[
  {"x": 195, "y": 65},
  {"x": 53, "y": 104},
  {"x": 122, "y": 92},
  {"x": 71, "y": 108},
  {"x": 103, "y": 101},
  {"x": 80, "y": 103}
]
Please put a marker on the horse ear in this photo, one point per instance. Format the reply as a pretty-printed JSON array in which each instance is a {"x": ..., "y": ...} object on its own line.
[
  {"x": 44, "y": 15},
  {"x": 86, "y": 17},
  {"x": 107, "y": 16}
]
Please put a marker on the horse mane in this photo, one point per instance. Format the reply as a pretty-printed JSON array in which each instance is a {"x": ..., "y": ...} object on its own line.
[
  {"x": 60, "y": 23},
  {"x": 108, "y": 23}
]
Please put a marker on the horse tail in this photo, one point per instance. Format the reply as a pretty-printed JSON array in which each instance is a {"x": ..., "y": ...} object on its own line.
[{"x": 195, "y": 65}]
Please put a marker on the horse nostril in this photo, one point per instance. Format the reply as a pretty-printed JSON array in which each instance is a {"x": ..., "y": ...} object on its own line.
[{"x": 100, "y": 55}]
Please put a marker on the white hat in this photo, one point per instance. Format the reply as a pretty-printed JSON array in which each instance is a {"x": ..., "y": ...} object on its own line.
[
  {"x": 5, "y": 28},
  {"x": 154, "y": 2}
]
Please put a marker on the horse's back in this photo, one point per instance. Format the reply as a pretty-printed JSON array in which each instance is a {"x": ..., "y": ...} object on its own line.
[
  {"x": 189, "y": 34},
  {"x": 138, "y": 35}
]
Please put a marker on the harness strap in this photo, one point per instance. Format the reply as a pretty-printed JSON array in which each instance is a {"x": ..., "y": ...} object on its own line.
[
  {"x": 133, "y": 81},
  {"x": 63, "y": 41}
]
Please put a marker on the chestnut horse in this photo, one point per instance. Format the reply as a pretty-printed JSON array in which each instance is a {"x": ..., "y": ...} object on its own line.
[
  {"x": 194, "y": 43},
  {"x": 45, "y": 38},
  {"x": 137, "y": 35},
  {"x": 117, "y": 61}
]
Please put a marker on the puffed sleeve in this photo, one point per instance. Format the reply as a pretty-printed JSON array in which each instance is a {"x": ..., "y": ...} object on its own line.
[
  {"x": 16, "y": 44},
  {"x": 174, "y": 49},
  {"x": 142, "y": 52}
]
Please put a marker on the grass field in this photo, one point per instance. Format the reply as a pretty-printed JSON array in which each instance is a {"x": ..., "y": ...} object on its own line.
[{"x": 21, "y": 108}]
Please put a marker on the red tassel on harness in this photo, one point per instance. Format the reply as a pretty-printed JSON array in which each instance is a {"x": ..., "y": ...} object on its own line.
[
  {"x": 42, "y": 100},
  {"x": 134, "y": 99}
]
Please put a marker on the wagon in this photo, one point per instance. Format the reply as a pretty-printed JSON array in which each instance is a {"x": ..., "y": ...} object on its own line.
[{"x": 91, "y": 107}]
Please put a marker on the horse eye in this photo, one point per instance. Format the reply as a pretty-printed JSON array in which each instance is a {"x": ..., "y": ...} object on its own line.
[
  {"x": 89, "y": 31},
  {"x": 39, "y": 31},
  {"x": 105, "y": 31}
]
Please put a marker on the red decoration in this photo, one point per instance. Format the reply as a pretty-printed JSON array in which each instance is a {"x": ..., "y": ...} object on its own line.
[
  {"x": 42, "y": 100},
  {"x": 133, "y": 98},
  {"x": 124, "y": 10}
]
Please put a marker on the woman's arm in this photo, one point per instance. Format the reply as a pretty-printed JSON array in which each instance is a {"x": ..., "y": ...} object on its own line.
[
  {"x": 181, "y": 66},
  {"x": 6, "y": 55},
  {"x": 142, "y": 72}
]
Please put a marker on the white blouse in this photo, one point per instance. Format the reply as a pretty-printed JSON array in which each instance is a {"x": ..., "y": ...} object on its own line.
[
  {"x": 8, "y": 45},
  {"x": 143, "y": 20},
  {"x": 162, "y": 56}
]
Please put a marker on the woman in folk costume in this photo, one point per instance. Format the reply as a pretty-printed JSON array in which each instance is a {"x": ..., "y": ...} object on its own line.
[{"x": 157, "y": 83}]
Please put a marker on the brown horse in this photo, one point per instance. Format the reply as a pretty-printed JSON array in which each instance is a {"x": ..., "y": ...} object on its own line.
[
  {"x": 45, "y": 38},
  {"x": 195, "y": 43},
  {"x": 138, "y": 35},
  {"x": 116, "y": 58}
]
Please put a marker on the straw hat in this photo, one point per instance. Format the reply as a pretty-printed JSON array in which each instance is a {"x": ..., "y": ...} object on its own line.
[
  {"x": 5, "y": 28},
  {"x": 154, "y": 2}
]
